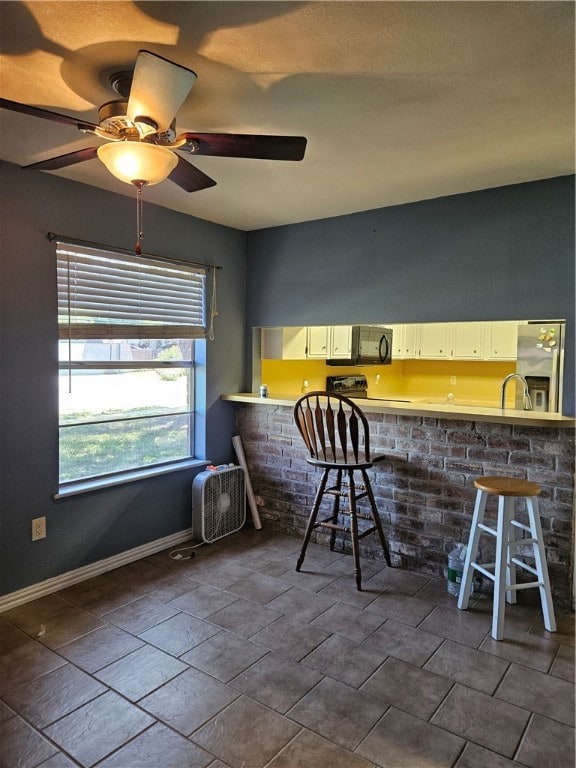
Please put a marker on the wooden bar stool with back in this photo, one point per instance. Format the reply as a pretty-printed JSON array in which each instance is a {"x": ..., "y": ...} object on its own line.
[{"x": 336, "y": 434}]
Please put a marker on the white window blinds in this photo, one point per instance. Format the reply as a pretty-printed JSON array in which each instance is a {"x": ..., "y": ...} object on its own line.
[{"x": 104, "y": 294}]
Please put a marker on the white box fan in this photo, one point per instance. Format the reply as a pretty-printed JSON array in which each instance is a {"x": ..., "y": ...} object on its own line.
[{"x": 218, "y": 503}]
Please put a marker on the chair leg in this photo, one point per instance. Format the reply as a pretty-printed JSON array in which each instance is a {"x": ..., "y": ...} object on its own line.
[
  {"x": 354, "y": 530},
  {"x": 376, "y": 517},
  {"x": 540, "y": 562},
  {"x": 312, "y": 518},
  {"x": 511, "y": 552},
  {"x": 472, "y": 548},
  {"x": 336, "y": 508}
]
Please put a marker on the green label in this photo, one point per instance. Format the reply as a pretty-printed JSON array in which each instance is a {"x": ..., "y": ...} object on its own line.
[{"x": 454, "y": 576}]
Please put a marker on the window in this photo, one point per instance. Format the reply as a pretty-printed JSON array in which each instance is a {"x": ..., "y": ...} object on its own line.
[{"x": 127, "y": 327}]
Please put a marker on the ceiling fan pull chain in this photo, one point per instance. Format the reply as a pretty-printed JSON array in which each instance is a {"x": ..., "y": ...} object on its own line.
[{"x": 139, "y": 232}]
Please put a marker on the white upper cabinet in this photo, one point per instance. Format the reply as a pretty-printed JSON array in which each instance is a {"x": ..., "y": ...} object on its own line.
[
  {"x": 340, "y": 341},
  {"x": 435, "y": 341},
  {"x": 501, "y": 340},
  {"x": 284, "y": 343},
  {"x": 318, "y": 341},
  {"x": 468, "y": 341}
]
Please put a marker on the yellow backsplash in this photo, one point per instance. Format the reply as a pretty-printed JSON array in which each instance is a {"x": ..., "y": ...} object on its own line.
[{"x": 477, "y": 382}]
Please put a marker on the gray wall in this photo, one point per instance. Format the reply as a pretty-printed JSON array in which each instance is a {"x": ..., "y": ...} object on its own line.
[
  {"x": 505, "y": 253},
  {"x": 498, "y": 254},
  {"x": 87, "y": 528}
]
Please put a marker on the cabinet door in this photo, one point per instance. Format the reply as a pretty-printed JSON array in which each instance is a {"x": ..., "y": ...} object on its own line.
[
  {"x": 434, "y": 341},
  {"x": 410, "y": 337},
  {"x": 397, "y": 341},
  {"x": 283, "y": 343},
  {"x": 341, "y": 341},
  {"x": 318, "y": 339},
  {"x": 502, "y": 337},
  {"x": 467, "y": 341}
]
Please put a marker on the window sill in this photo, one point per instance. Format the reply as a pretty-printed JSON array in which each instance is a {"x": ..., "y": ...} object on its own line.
[{"x": 98, "y": 483}]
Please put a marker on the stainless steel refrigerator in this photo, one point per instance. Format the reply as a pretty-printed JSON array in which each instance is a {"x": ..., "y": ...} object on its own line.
[{"x": 541, "y": 361}]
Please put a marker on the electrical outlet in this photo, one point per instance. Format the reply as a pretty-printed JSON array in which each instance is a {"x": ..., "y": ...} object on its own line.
[
  {"x": 38, "y": 528},
  {"x": 452, "y": 379}
]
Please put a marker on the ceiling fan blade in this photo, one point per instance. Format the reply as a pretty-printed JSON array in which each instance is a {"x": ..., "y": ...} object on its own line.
[
  {"x": 159, "y": 88},
  {"x": 190, "y": 178},
  {"x": 53, "y": 163},
  {"x": 26, "y": 109},
  {"x": 245, "y": 145}
]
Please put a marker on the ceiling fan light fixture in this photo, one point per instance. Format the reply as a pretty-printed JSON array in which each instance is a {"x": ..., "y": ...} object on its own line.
[{"x": 132, "y": 161}]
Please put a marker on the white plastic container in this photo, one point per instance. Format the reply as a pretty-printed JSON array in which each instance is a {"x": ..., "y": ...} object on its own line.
[{"x": 455, "y": 569}]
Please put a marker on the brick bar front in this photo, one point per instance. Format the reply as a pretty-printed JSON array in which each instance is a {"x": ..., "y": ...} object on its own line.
[{"x": 424, "y": 487}]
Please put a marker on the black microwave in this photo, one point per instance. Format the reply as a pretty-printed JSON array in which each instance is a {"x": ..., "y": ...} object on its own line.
[{"x": 371, "y": 345}]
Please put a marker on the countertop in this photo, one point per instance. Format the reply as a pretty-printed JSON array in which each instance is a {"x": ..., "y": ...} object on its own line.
[{"x": 436, "y": 410}]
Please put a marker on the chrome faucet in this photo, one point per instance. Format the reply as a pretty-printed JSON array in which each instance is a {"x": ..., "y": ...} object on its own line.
[{"x": 527, "y": 398}]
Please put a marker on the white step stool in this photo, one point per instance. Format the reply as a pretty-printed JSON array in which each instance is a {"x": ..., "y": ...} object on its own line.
[{"x": 503, "y": 571}]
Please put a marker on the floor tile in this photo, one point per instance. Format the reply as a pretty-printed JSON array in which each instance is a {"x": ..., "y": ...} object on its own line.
[
  {"x": 31, "y": 616},
  {"x": 269, "y": 565},
  {"x": 50, "y": 697},
  {"x": 344, "y": 660},
  {"x": 244, "y": 617},
  {"x": 311, "y": 577},
  {"x": 547, "y": 743},
  {"x": 158, "y": 747},
  {"x": 221, "y": 575},
  {"x": 11, "y": 637},
  {"x": 238, "y": 721},
  {"x": 100, "y": 595},
  {"x": 202, "y": 601},
  {"x": 347, "y": 620},
  {"x": 21, "y": 746},
  {"x": 66, "y": 626},
  {"x": 338, "y": 712},
  {"x": 300, "y": 604},
  {"x": 140, "y": 672},
  {"x": 407, "y": 687},
  {"x": 224, "y": 655},
  {"x": 529, "y": 650},
  {"x": 565, "y": 629},
  {"x": 345, "y": 591},
  {"x": 167, "y": 585},
  {"x": 533, "y": 690},
  {"x": 5, "y": 712},
  {"x": 403, "y": 642},
  {"x": 259, "y": 588},
  {"x": 468, "y": 666},
  {"x": 563, "y": 664},
  {"x": 100, "y": 648},
  {"x": 397, "y": 581},
  {"x": 397, "y": 606},
  {"x": 467, "y": 628},
  {"x": 479, "y": 757},
  {"x": 188, "y": 701},
  {"x": 482, "y": 719},
  {"x": 59, "y": 760},
  {"x": 308, "y": 750},
  {"x": 290, "y": 637},
  {"x": 93, "y": 731},
  {"x": 276, "y": 682},
  {"x": 179, "y": 633},
  {"x": 27, "y": 662},
  {"x": 400, "y": 740},
  {"x": 140, "y": 615}
]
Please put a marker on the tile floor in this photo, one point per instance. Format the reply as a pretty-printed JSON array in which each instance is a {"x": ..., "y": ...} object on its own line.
[{"x": 233, "y": 659}]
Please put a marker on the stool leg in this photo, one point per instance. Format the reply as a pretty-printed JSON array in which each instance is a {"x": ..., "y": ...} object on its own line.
[
  {"x": 336, "y": 508},
  {"x": 472, "y": 548},
  {"x": 511, "y": 540},
  {"x": 312, "y": 519},
  {"x": 541, "y": 566},
  {"x": 354, "y": 530},
  {"x": 505, "y": 507},
  {"x": 376, "y": 517}
]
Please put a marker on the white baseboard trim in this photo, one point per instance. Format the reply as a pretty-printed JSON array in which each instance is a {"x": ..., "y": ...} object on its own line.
[{"x": 33, "y": 592}]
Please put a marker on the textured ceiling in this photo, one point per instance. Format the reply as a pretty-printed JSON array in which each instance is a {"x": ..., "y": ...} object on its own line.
[{"x": 399, "y": 101}]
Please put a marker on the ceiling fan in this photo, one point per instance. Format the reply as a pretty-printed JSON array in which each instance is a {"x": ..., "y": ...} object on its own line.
[
  {"x": 140, "y": 127},
  {"x": 140, "y": 132}
]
